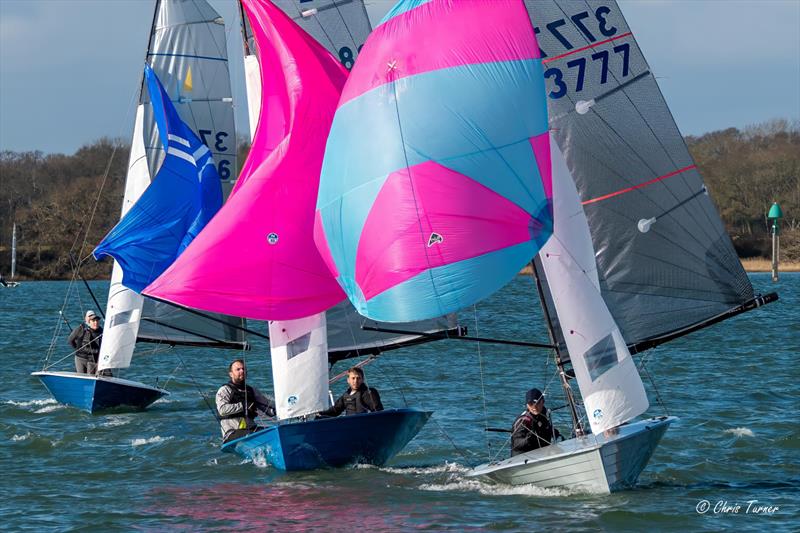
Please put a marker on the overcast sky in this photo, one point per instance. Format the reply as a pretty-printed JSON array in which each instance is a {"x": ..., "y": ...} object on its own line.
[{"x": 69, "y": 69}]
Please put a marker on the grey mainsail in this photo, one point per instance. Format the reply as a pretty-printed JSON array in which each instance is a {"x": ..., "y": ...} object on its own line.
[
  {"x": 188, "y": 52},
  {"x": 341, "y": 26},
  {"x": 664, "y": 259}
]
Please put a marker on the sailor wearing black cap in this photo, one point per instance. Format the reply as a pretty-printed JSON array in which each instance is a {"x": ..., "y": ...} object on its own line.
[{"x": 532, "y": 429}]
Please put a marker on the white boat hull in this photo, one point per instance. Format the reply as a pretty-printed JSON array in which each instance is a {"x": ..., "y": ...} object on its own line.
[{"x": 594, "y": 463}]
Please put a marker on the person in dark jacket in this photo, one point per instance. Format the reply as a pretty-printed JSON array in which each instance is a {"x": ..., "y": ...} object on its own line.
[
  {"x": 358, "y": 398},
  {"x": 85, "y": 339},
  {"x": 532, "y": 429}
]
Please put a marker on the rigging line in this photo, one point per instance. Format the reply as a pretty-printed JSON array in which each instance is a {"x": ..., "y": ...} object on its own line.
[
  {"x": 483, "y": 385},
  {"x": 640, "y": 185},
  {"x": 197, "y": 386},
  {"x": 189, "y": 56},
  {"x": 210, "y": 317},
  {"x": 452, "y": 443},
  {"x": 652, "y": 382},
  {"x": 445, "y": 334},
  {"x": 169, "y": 378},
  {"x": 182, "y": 330}
]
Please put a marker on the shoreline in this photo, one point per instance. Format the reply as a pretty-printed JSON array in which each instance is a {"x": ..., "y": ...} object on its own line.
[{"x": 750, "y": 265}]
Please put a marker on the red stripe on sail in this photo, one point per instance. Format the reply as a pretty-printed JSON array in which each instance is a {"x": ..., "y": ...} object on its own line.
[
  {"x": 646, "y": 183},
  {"x": 549, "y": 59}
]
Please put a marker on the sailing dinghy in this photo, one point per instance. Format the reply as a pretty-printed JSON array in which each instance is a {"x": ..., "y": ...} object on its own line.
[
  {"x": 264, "y": 264},
  {"x": 639, "y": 254},
  {"x": 184, "y": 142},
  {"x": 454, "y": 182}
]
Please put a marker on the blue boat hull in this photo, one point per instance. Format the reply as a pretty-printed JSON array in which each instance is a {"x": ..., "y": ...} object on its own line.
[
  {"x": 96, "y": 393},
  {"x": 371, "y": 438}
]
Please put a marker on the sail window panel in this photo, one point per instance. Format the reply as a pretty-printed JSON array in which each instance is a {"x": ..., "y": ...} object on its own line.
[
  {"x": 298, "y": 346},
  {"x": 601, "y": 357}
]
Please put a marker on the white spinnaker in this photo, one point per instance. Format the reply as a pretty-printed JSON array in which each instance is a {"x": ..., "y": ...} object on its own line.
[
  {"x": 299, "y": 350},
  {"x": 124, "y": 307},
  {"x": 610, "y": 385}
]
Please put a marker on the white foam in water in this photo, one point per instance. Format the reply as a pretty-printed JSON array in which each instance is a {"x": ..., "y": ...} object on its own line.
[
  {"x": 258, "y": 459},
  {"x": 151, "y": 440},
  {"x": 454, "y": 468},
  {"x": 741, "y": 432},
  {"x": 473, "y": 485},
  {"x": 49, "y": 409},
  {"x": 32, "y": 403},
  {"x": 17, "y": 438},
  {"x": 114, "y": 421}
]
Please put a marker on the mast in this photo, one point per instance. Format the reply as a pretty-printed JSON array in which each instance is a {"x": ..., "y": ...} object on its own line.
[
  {"x": 14, "y": 251},
  {"x": 557, "y": 347}
]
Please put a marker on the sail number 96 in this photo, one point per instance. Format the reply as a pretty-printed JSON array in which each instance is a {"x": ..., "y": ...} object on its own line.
[{"x": 223, "y": 165}]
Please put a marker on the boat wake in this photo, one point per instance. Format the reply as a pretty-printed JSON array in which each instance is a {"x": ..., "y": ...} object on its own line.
[
  {"x": 18, "y": 438},
  {"x": 116, "y": 421},
  {"x": 491, "y": 489},
  {"x": 452, "y": 478},
  {"x": 151, "y": 440},
  {"x": 33, "y": 403},
  {"x": 446, "y": 468},
  {"x": 740, "y": 432}
]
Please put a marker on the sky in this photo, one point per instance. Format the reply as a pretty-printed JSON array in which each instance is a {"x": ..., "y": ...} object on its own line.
[{"x": 70, "y": 69}]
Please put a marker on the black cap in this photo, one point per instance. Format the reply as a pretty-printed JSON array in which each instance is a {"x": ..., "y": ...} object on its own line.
[{"x": 533, "y": 396}]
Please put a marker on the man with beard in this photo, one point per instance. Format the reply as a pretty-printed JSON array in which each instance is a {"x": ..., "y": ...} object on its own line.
[{"x": 239, "y": 404}]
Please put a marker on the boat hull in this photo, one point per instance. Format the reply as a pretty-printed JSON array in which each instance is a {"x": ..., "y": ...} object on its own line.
[
  {"x": 95, "y": 393},
  {"x": 595, "y": 463},
  {"x": 371, "y": 438}
]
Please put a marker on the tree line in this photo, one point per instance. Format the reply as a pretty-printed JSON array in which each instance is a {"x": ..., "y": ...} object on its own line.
[{"x": 64, "y": 205}]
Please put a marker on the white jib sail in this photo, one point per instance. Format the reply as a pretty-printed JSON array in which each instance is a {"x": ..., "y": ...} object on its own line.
[
  {"x": 299, "y": 350},
  {"x": 124, "y": 307},
  {"x": 610, "y": 385}
]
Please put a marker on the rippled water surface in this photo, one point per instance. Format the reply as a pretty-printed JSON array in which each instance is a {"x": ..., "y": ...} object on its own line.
[{"x": 734, "y": 386}]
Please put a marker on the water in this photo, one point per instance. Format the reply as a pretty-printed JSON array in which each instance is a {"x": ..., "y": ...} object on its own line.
[{"x": 734, "y": 387}]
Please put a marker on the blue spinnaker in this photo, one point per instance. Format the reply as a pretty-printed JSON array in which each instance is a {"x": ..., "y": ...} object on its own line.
[{"x": 183, "y": 197}]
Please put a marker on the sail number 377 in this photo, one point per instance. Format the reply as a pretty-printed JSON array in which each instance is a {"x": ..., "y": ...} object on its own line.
[{"x": 592, "y": 27}]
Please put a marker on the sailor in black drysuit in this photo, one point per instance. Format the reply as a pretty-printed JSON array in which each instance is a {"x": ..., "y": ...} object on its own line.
[
  {"x": 238, "y": 404},
  {"x": 358, "y": 398},
  {"x": 532, "y": 429}
]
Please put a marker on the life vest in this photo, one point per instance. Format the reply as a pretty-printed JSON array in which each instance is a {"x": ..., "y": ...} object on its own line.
[{"x": 244, "y": 396}]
